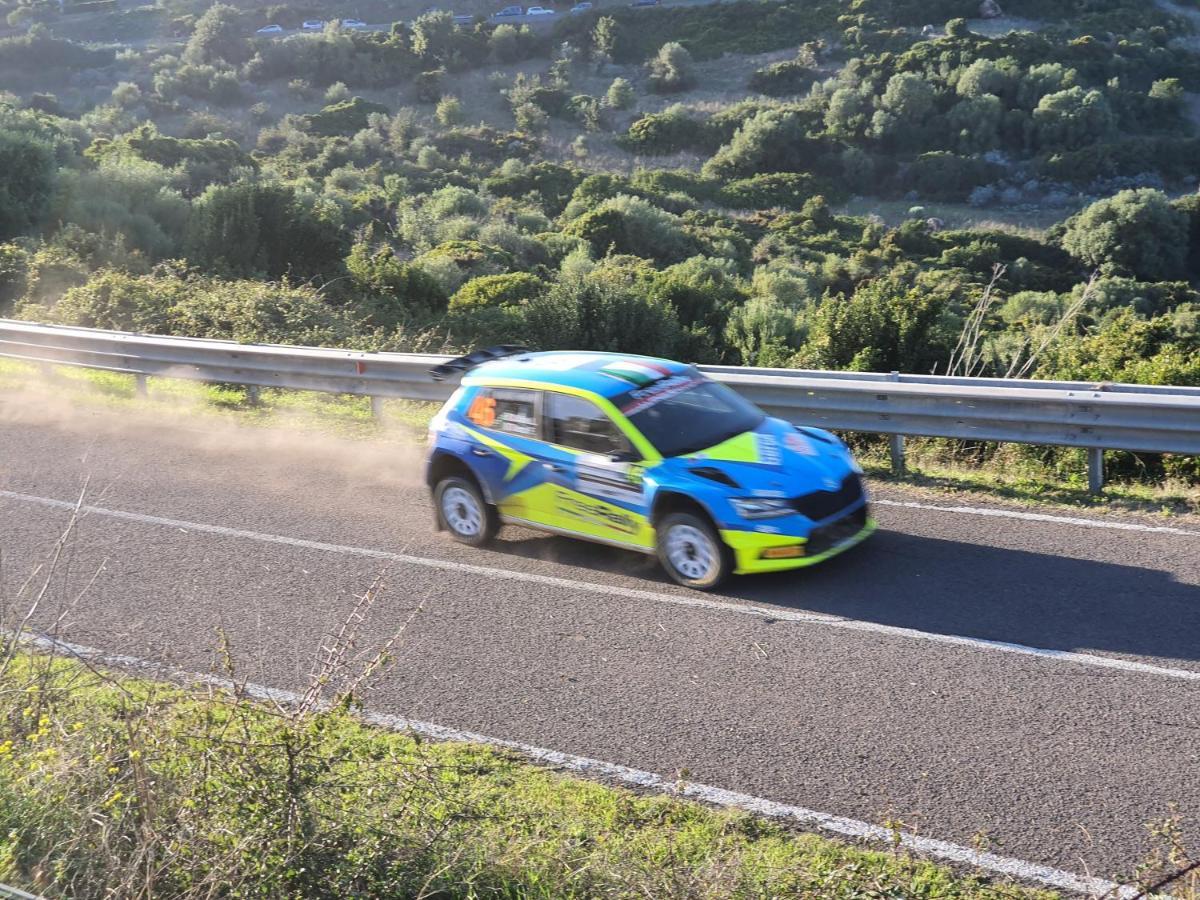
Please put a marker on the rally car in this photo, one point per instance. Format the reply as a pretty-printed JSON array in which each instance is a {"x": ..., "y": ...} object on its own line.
[{"x": 640, "y": 453}]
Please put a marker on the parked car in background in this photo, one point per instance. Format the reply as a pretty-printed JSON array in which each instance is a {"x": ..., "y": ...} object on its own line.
[
  {"x": 509, "y": 11},
  {"x": 270, "y": 29},
  {"x": 464, "y": 20},
  {"x": 637, "y": 3},
  {"x": 539, "y": 11},
  {"x": 313, "y": 24},
  {"x": 581, "y": 7},
  {"x": 354, "y": 24}
]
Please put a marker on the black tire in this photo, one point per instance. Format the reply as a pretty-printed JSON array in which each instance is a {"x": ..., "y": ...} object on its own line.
[
  {"x": 710, "y": 559},
  {"x": 468, "y": 517}
]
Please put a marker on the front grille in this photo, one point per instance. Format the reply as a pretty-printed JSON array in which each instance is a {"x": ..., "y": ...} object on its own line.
[
  {"x": 829, "y": 536},
  {"x": 823, "y": 504}
]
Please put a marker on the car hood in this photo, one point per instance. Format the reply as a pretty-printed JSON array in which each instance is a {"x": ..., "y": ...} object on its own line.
[{"x": 777, "y": 459}]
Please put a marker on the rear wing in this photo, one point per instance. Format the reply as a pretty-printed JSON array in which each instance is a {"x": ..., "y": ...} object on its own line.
[{"x": 463, "y": 364}]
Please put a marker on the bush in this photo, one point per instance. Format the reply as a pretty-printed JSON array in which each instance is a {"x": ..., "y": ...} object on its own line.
[
  {"x": 631, "y": 225},
  {"x": 428, "y": 85},
  {"x": 782, "y": 78},
  {"x": 604, "y": 309},
  {"x": 254, "y": 228},
  {"x": 27, "y": 178},
  {"x": 784, "y": 189},
  {"x": 947, "y": 176},
  {"x": 510, "y": 289},
  {"x": 773, "y": 140},
  {"x": 345, "y": 118},
  {"x": 1136, "y": 233},
  {"x": 671, "y": 70},
  {"x": 620, "y": 94},
  {"x": 449, "y": 111},
  {"x": 671, "y": 131}
]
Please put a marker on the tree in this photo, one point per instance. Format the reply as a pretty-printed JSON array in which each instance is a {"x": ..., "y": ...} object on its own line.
[
  {"x": 905, "y": 107},
  {"x": 604, "y": 39},
  {"x": 433, "y": 36},
  {"x": 27, "y": 177},
  {"x": 218, "y": 35},
  {"x": 671, "y": 70},
  {"x": 1072, "y": 119},
  {"x": 619, "y": 95},
  {"x": 449, "y": 112},
  {"x": 1135, "y": 233}
]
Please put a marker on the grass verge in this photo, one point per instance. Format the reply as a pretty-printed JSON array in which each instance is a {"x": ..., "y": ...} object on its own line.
[{"x": 112, "y": 785}]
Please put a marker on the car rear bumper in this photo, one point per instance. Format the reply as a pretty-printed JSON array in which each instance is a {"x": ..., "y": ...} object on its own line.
[{"x": 755, "y": 552}]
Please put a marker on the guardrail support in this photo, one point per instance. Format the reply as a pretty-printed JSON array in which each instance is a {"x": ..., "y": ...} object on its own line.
[
  {"x": 1095, "y": 470},
  {"x": 253, "y": 395},
  {"x": 896, "y": 441},
  {"x": 139, "y": 385},
  {"x": 377, "y": 408},
  {"x": 897, "y": 446}
]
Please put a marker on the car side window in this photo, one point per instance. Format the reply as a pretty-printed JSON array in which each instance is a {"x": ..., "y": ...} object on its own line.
[
  {"x": 578, "y": 423},
  {"x": 510, "y": 411}
]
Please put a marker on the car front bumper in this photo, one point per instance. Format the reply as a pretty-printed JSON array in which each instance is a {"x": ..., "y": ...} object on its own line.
[{"x": 756, "y": 552}]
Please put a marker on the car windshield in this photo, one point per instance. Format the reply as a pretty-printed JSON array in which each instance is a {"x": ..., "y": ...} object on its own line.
[{"x": 689, "y": 418}]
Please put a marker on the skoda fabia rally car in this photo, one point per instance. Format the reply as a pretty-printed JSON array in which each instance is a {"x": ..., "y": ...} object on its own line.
[{"x": 640, "y": 453}]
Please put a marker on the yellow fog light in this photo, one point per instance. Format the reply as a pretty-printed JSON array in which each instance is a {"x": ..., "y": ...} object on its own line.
[{"x": 783, "y": 552}]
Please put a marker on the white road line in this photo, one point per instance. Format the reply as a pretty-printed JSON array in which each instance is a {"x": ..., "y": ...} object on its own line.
[
  {"x": 1037, "y": 517},
  {"x": 693, "y": 600},
  {"x": 599, "y": 769}
]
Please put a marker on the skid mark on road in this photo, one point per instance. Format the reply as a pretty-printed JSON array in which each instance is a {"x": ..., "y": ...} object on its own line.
[
  {"x": 945, "y": 851},
  {"x": 570, "y": 584}
]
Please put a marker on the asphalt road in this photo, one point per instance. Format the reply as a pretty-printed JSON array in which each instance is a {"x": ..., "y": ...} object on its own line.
[{"x": 839, "y": 689}]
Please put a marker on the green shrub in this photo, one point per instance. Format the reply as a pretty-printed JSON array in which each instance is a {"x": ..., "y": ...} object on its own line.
[
  {"x": 509, "y": 289},
  {"x": 672, "y": 69},
  {"x": 1136, "y": 233},
  {"x": 343, "y": 118},
  {"x": 631, "y": 225},
  {"x": 782, "y": 78},
  {"x": 784, "y": 189},
  {"x": 670, "y": 131}
]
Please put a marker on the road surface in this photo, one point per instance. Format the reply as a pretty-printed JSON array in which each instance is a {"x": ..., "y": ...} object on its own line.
[{"x": 1026, "y": 682}]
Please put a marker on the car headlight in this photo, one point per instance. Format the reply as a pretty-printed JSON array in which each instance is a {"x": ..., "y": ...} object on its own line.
[{"x": 762, "y": 507}]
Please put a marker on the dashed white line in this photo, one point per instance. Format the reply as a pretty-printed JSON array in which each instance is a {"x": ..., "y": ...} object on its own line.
[
  {"x": 1021, "y": 870},
  {"x": 1038, "y": 517},
  {"x": 690, "y": 600}
]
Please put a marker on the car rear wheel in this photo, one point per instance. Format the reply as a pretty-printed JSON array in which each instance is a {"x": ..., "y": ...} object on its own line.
[
  {"x": 691, "y": 552},
  {"x": 463, "y": 511}
]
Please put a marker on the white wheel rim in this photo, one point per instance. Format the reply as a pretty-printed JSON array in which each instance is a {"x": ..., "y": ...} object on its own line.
[
  {"x": 690, "y": 551},
  {"x": 461, "y": 511}
]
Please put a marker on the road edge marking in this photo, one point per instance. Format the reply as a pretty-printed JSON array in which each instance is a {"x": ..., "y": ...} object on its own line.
[
  {"x": 855, "y": 829},
  {"x": 1036, "y": 517},
  {"x": 775, "y": 614}
]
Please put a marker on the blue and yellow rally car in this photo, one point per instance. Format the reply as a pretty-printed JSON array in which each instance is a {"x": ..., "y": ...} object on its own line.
[{"x": 640, "y": 453}]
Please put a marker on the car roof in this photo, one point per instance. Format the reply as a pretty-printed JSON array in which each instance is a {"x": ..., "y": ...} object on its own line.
[{"x": 605, "y": 374}]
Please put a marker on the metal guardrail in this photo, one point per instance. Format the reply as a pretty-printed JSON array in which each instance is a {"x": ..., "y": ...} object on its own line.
[
  {"x": 12, "y": 893},
  {"x": 1151, "y": 419}
]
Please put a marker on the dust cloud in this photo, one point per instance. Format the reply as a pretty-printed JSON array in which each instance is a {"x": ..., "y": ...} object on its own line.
[{"x": 280, "y": 454}]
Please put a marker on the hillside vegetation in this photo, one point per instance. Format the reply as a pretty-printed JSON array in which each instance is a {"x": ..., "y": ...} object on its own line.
[{"x": 666, "y": 180}]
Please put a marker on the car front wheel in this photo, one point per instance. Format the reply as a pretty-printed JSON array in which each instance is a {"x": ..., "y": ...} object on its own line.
[
  {"x": 691, "y": 552},
  {"x": 463, "y": 511}
]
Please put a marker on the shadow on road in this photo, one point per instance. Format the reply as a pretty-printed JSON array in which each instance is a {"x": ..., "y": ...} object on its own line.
[{"x": 958, "y": 588}]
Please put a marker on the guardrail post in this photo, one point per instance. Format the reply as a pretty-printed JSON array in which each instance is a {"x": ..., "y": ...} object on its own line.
[
  {"x": 1095, "y": 470},
  {"x": 377, "y": 408},
  {"x": 139, "y": 385},
  {"x": 896, "y": 441},
  {"x": 253, "y": 395}
]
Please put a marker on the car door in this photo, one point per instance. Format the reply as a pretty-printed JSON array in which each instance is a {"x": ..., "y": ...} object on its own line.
[
  {"x": 504, "y": 426},
  {"x": 594, "y": 472}
]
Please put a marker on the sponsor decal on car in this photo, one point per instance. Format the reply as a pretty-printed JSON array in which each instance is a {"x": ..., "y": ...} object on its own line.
[
  {"x": 657, "y": 392},
  {"x": 600, "y": 514}
]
